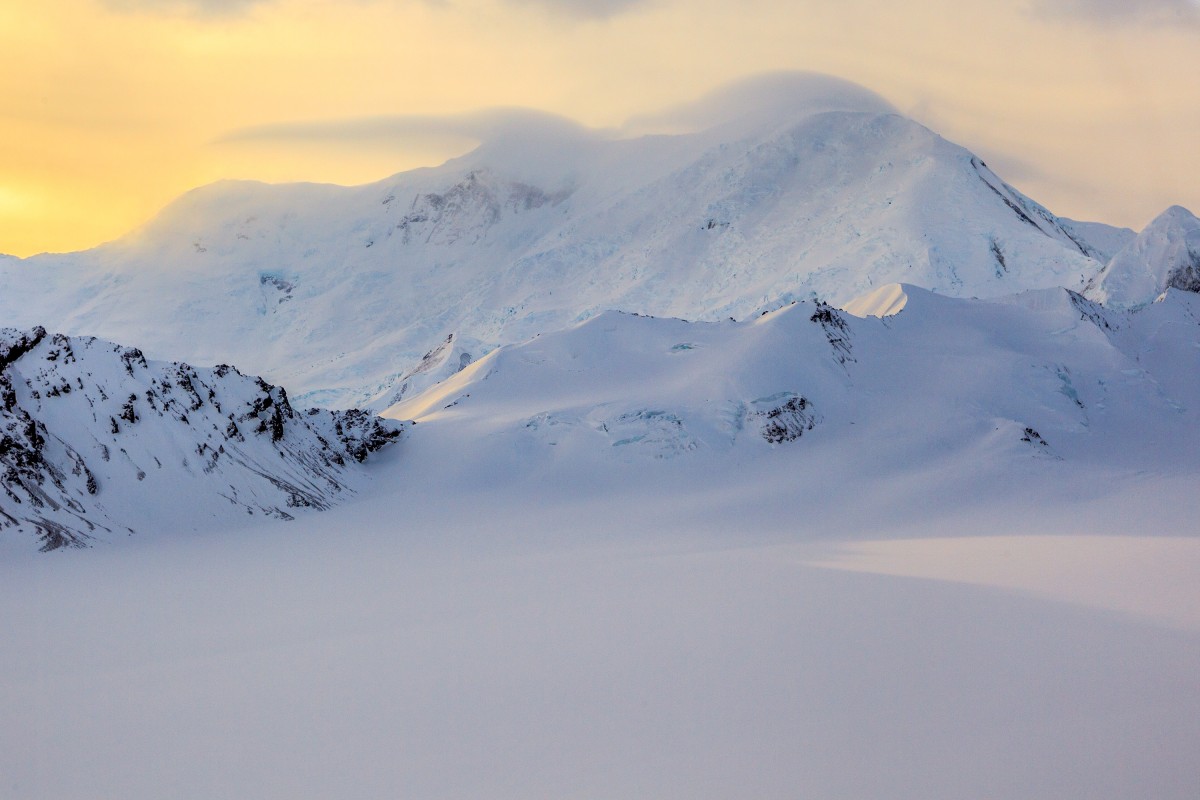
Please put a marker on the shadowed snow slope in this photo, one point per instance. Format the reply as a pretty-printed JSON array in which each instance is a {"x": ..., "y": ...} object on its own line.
[
  {"x": 455, "y": 647},
  {"x": 96, "y": 442},
  {"x": 1166, "y": 255},
  {"x": 338, "y": 292}
]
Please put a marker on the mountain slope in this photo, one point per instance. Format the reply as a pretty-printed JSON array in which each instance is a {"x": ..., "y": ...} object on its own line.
[
  {"x": 338, "y": 292},
  {"x": 97, "y": 442},
  {"x": 975, "y": 388}
]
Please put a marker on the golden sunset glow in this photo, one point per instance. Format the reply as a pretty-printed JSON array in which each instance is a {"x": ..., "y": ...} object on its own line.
[{"x": 113, "y": 107}]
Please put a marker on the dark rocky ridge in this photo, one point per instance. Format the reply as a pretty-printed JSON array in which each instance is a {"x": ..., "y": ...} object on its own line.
[{"x": 95, "y": 441}]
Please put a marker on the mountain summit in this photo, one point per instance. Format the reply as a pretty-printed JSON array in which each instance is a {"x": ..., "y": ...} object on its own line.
[
  {"x": 1166, "y": 255},
  {"x": 812, "y": 189}
]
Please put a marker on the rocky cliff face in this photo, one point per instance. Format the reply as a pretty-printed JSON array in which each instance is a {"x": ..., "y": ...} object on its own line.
[{"x": 96, "y": 441}]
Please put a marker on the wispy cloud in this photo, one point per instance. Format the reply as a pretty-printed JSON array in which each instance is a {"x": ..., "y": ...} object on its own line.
[
  {"x": 571, "y": 9},
  {"x": 743, "y": 101},
  {"x": 1154, "y": 12},
  {"x": 586, "y": 9},
  {"x": 202, "y": 8},
  {"x": 486, "y": 125}
]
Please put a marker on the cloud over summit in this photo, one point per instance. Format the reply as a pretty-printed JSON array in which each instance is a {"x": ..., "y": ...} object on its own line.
[
  {"x": 767, "y": 95},
  {"x": 771, "y": 96}
]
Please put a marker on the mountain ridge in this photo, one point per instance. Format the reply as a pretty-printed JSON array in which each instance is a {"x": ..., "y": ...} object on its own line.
[
  {"x": 96, "y": 441},
  {"x": 978, "y": 385}
]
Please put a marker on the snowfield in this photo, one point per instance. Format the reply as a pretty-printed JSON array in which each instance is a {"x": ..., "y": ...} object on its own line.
[
  {"x": 1042, "y": 380},
  {"x": 781, "y": 453},
  {"x": 660, "y": 636},
  {"x": 599, "y": 565}
]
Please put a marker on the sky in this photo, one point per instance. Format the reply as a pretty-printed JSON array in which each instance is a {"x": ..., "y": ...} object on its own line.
[{"x": 111, "y": 108}]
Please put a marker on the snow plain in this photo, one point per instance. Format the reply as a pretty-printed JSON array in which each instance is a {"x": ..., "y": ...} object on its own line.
[{"x": 672, "y": 638}]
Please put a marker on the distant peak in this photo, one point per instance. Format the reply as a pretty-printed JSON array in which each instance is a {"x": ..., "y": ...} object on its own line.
[
  {"x": 1165, "y": 255},
  {"x": 1175, "y": 215}
]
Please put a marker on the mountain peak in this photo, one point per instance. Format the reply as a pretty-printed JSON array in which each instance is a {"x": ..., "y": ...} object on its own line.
[
  {"x": 806, "y": 187},
  {"x": 1165, "y": 255}
]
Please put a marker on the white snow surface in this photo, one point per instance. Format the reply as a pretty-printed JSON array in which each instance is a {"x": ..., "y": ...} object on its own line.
[
  {"x": 1043, "y": 380},
  {"x": 930, "y": 547},
  {"x": 1166, "y": 255},
  {"x": 811, "y": 190},
  {"x": 589, "y": 572},
  {"x": 1103, "y": 240}
]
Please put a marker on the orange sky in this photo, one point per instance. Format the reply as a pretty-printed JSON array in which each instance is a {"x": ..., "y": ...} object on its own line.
[{"x": 112, "y": 107}]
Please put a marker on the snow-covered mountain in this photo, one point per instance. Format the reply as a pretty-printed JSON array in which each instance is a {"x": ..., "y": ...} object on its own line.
[
  {"x": 895, "y": 544},
  {"x": 1166, "y": 255},
  {"x": 985, "y": 386},
  {"x": 492, "y": 297},
  {"x": 339, "y": 293},
  {"x": 97, "y": 442}
]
